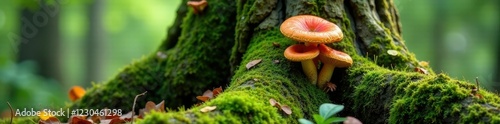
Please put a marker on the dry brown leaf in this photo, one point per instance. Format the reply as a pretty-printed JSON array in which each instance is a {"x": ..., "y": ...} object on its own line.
[
  {"x": 95, "y": 119},
  {"x": 202, "y": 98},
  {"x": 160, "y": 107},
  {"x": 286, "y": 109},
  {"x": 50, "y": 120},
  {"x": 150, "y": 105},
  {"x": 117, "y": 121},
  {"x": 421, "y": 70},
  {"x": 76, "y": 92},
  {"x": 78, "y": 120},
  {"x": 208, "y": 108},
  {"x": 273, "y": 102},
  {"x": 253, "y": 63},
  {"x": 216, "y": 91},
  {"x": 352, "y": 120}
]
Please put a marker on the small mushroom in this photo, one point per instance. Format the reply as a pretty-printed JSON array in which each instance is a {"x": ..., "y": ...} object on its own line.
[
  {"x": 331, "y": 58},
  {"x": 198, "y": 6},
  {"x": 311, "y": 30},
  {"x": 304, "y": 54}
]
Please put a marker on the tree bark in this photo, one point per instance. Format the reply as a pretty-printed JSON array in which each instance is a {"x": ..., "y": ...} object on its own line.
[
  {"x": 211, "y": 49},
  {"x": 40, "y": 40},
  {"x": 94, "y": 52}
]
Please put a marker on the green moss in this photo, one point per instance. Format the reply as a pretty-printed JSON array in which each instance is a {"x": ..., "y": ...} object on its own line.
[
  {"x": 247, "y": 98},
  {"x": 181, "y": 74},
  {"x": 430, "y": 99}
]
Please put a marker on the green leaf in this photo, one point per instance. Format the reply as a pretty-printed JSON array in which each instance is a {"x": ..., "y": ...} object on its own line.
[
  {"x": 318, "y": 119},
  {"x": 335, "y": 119},
  {"x": 326, "y": 110},
  {"x": 305, "y": 121}
]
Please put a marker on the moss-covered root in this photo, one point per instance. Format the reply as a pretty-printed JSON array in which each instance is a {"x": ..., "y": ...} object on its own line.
[
  {"x": 402, "y": 97},
  {"x": 195, "y": 63},
  {"x": 247, "y": 98}
]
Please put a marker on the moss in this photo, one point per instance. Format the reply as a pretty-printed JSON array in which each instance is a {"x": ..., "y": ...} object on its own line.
[
  {"x": 430, "y": 99},
  {"x": 182, "y": 73},
  {"x": 247, "y": 98}
]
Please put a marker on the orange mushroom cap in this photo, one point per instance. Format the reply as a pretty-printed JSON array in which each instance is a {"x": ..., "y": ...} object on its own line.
[
  {"x": 300, "y": 52},
  {"x": 312, "y": 29},
  {"x": 332, "y": 56},
  {"x": 198, "y": 6},
  {"x": 76, "y": 92}
]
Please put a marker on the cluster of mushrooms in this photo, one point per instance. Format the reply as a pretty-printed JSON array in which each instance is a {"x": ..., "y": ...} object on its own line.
[{"x": 315, "y": 32}]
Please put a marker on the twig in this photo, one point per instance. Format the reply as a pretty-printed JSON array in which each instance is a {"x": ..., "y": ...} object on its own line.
[
  {"x": 133, "y": 107},
  {"x": 477, "y": 84},
  {"x": 11, "y": 112}
]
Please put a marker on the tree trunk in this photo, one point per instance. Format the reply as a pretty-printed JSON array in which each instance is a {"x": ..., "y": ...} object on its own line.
[
  {"x": 39, "y": 39},
  {"x": 94, "y": 53},
  {"x": 211, "y": 49}
]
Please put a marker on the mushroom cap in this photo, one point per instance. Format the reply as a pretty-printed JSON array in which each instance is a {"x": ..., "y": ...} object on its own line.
[
  {"x": 312, "y": 29},
  {"x": 301, "y": 52},
  {"x": 331, "y": 56}
]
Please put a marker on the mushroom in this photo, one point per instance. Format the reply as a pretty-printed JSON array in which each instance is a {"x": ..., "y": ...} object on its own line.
[
  {"x": 311, "y": 30},
  {"x": 304, "y": 54},
  {"x": 76, "y": 92},
  {"x": 331, "y": 58},
  {"x": 198, "y": 6}
]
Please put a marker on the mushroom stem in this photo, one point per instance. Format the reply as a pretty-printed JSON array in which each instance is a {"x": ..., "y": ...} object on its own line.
[
  {"x": 310, "y": 70},
  {"x": 310, "y": 44},
  {"x": 325, "y": 75}
]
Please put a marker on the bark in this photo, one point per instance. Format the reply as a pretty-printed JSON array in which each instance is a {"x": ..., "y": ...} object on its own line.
[
  {"x": 211, "y": 49},
  {"x": 94, "y": 52},
  {"x": 40, "y": 41}
]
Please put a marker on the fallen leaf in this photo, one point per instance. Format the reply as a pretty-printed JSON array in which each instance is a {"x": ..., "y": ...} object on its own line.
[
  {"x": 423, "y": 63},
  {"x": 95, "y": 119},
  {"x": 286, "y": 109},
  {"x": 273, "y": 102},
  {"x": 44, "y": 115},
  {"x": 421, "y": 70},
  {"x": 392, "y": 52},
  {"x": 216, "y": 91},
  {"x": 150, "y": 106},
  {"x": 253, "y": 63},
  {"x": 78, "y": 120},
  {"x": 202, "y": 98},
  {"x": 50, "y": 120},
  {"x": 352, "y": 120},
  {"x": 117, "y": 121},
  {"x": 209, "y": 94},
  {"x": 76, "y": 92},
  {"x": 208, "y": 108},
  {"x": 160, "y": 107}
]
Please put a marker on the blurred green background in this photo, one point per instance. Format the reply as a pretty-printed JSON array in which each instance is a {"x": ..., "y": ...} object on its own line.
[{"x": 44, "y": 49}]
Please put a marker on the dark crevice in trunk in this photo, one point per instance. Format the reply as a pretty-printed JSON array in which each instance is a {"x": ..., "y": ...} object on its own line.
[{"x": 358, "y": 43}]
